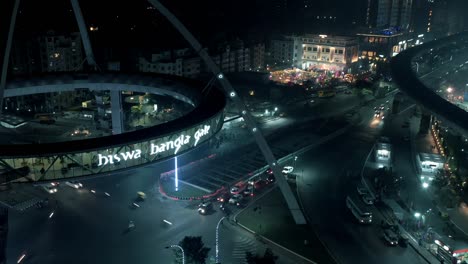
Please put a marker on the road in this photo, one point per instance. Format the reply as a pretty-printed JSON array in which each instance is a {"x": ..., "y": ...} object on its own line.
[
  {"x": 326, "y": 175},
  {"x": 91, "y": 227}
]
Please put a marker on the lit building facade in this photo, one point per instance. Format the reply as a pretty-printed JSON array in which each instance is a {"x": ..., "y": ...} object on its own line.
[{"x": 327, "y": 52}]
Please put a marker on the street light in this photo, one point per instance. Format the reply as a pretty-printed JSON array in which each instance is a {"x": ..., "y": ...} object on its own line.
[
  {"x": 181, "y": 249},
  {"x": 217, "y": 239},
  {"x": 417, "y": 215},
  {"x": 425, "y": 185},
  {"x": 450, "y": 89}
]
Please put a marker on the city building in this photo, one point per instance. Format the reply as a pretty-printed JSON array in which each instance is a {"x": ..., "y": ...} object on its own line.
[
  {"x": 315, "y": 51},
  {"x": 282, "y": 50},
  {"x": 257, "y": 56},
  {"x": 24, "y": 56},
  {"x": 233, "y": 57},
  {"x": 381, "y": 45},
  {"x": 182, "y": 62},
  {"x": 61, "y": 52},
  {"x": 336, "y": 53},
  {"x": 389, "y": 13}
]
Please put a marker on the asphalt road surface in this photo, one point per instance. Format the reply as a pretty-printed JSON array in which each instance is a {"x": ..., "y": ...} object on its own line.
[{"x": 326, "y": 175}]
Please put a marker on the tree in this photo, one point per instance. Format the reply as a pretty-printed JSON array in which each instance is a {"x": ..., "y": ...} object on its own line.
[
  {"x": 194, "y": 249},
  {"x": 268, "y": 257}
]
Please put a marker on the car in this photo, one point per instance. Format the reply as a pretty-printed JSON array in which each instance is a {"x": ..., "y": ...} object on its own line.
[
  {"x": 74, "y": 184},
  {"x": 390, "y": 237},
  {"x": 269, "y": 171},
  {"x": 238, "y": 188},
  {"x": 377, "y": 114},
  {"x": 205, "y": 208},
  {"x": 235, "y": 190},
  {"x": 260, "y": 184},
  {"x": 403, "y": 241},
  {"x": 223, "y": 198},
  {"x": 49, "y": 189},
  {"x": 235, "y": 199},
  {"x": 249, "y": 191},
  {"x": 54, "y": 184},
  {"x": 287, "y": 169},
  {"x": 271, "y": 178},
  {"x": 367, "y": 199},
  {"x": 362, "y": 190}
]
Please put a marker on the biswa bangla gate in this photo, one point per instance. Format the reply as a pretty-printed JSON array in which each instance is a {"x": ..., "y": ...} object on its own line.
[{"x": 155, "y": 148}]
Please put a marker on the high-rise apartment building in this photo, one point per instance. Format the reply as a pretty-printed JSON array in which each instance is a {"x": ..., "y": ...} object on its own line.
[
  {"x": 389, "y": 13},
  {"x": 61, "y": 52}
]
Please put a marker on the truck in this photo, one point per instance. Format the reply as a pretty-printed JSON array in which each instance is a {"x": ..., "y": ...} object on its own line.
[{"x": 359, "y": 210}]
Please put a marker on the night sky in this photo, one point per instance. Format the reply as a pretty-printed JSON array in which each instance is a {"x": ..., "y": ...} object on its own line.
[{"x": 131, "y": 24}]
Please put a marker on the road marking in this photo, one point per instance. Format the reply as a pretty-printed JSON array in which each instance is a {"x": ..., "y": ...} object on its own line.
[{"x": 167, "y": 222}]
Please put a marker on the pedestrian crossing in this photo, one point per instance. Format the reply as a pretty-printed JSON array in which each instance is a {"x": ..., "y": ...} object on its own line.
[
  {"x": 242, "y": 245},
  {"x": 25, "y": 205}
]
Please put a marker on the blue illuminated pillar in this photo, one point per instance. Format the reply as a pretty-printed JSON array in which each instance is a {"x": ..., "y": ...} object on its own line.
[{"x": 176, "y": 180}]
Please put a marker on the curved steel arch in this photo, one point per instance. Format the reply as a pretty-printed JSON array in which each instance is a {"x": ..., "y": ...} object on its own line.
[
  {"x": 410, "y": 83},
  {"x": 226, "y": 85}
]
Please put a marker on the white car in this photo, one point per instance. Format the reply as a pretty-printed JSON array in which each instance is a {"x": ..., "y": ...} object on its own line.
[
  {"x": 287, "y": 169},
  {"x": 235, "y": 198},
  {"x": 235, "y": 190},
  {"x": 74, "y": 184},
  {"x": 367, "y": 199},
  {"x": 49, "y": 189}
]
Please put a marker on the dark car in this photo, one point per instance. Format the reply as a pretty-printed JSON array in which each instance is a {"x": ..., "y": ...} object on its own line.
[
  {"x": 223, "y": 198},
  {"x": 205, "y": 208},
  {"x": 271, "y": 178},
  {"x": 260, "y": 184}
]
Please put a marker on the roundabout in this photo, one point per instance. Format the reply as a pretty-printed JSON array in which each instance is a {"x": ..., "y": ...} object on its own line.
[{"x": 120, "y": 149}]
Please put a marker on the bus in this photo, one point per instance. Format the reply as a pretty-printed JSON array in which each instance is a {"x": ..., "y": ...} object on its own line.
[
  {"x": 326, "y": 93},
  {"x": 359, "y": 210}
]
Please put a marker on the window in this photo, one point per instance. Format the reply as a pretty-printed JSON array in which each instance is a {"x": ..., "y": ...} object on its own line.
[
  {"x": 309, "y": 48},
  {"x": 340, "y": 51},
  {"x": 327, "y": 50},
  {"x": 323, "y": 49},
  {"x": 315, "y": 49}
]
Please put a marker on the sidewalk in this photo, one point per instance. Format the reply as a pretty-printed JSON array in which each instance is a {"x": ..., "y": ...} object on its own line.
[{"x": 457, "y": 217}]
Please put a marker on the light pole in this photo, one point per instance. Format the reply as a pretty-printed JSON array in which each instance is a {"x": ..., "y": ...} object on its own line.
[
  {"x": 295, "y": 159},
  {"x": 181, "y": 249},
  {"x": 217, "y": 238}
]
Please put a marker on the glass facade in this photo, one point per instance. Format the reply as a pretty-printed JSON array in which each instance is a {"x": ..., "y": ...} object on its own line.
[{"x": 109, "y": 159}]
